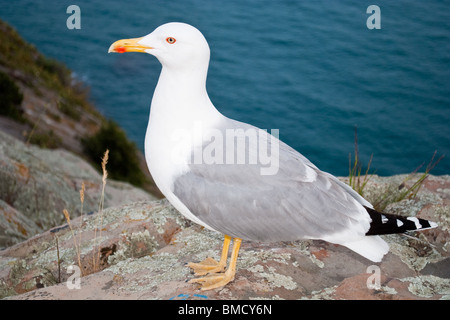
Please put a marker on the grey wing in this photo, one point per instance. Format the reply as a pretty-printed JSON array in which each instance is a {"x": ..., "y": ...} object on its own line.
[{"x": 297, "y": 202}]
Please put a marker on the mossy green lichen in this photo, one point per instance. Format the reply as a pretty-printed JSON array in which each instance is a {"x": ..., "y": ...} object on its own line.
[
  {"x": 303, "y": 248},
  {"x": 135, "y": 245},
  {"x": 323, "y": 294},
  {"x": 156, "y": 269},
  {"x": 428, "y": 286},
  {"x": 415, "y": 253},
  {"x": 162, "y": 213},
  {"x": 273, "y": 279},
  {"x": 248, "y": 258},
  {"x": 5, "y": 289},
  {"x": 19, "y": 268}
]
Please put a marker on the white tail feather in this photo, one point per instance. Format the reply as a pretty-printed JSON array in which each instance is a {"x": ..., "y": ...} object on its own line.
[{"x": 370, "y": 247}]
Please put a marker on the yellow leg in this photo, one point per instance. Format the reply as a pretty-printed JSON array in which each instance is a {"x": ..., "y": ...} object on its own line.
[
  {"x": 209, "y": 265},
  {"x": 221, "y": 279}
]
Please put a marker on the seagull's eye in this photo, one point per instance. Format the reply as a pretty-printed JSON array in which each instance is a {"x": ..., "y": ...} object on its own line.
[{"x": 171, "y": 40}]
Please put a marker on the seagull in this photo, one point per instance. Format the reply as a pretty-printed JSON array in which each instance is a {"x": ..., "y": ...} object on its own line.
[{"x": 237, "y": 179}]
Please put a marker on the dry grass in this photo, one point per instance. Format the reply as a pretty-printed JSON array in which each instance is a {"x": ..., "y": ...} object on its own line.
[
  {"x": 75, "y": 242},
  {"x": 99, "y": 220},
  {"x": 100, "y": 208},
  {"x": 83, "y": 188}
]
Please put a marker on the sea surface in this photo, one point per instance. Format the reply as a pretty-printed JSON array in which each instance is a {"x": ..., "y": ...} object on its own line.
[{"x": 311, "y": 69}]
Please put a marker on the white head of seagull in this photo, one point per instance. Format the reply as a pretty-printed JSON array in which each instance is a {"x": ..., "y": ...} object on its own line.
[{"x": 178, "y": 46}]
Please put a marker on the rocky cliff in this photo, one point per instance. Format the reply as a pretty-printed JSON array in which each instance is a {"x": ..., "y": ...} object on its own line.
[
  {"x": 37, "y": 184},
  {"x": 138, "y": 250}
]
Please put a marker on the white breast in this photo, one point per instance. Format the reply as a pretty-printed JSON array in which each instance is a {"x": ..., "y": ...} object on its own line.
[{"x": 175, "y": 128}]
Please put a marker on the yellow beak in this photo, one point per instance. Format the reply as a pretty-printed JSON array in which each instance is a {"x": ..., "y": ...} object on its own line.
[{"x": 128, "y": 45}]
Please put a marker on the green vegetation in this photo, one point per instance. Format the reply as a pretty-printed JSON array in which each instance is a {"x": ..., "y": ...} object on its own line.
[
  {"x": 404, "y": 192},
  {"x": 10, "y": 98},
  {"x": 48, "y": 139},
  {"x": 355, "y": 180},
  {"x": 33, "y": 69},
  {"x": 358, "y": 181},
  {"x": 69, "y": 110},
  {"x": 123, "y": 155}
]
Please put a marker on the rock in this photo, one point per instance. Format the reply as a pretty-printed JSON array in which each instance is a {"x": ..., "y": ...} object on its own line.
[
  {"x": 145, "y": 245},
  {"x": 107, "y": 238},
  {"x": 37, "y": 184},
  {"x": 14, "y": 226}
]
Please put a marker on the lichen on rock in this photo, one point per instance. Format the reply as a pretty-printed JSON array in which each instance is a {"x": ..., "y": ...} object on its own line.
[
  {"x": 148, "y": 243},
  {"x": 428, "y": 286},
  {"x": 136, "y": 245}
]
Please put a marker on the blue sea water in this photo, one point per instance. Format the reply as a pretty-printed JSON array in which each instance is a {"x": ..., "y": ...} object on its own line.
[{"x": 311, "y": 69}]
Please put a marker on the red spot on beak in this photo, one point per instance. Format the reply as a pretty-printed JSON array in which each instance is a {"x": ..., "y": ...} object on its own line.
[{"x": 121, "y": 49}]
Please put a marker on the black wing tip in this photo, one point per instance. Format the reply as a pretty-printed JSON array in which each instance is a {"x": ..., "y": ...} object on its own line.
[{"x": 384, "y": 223}]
